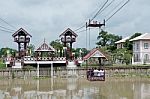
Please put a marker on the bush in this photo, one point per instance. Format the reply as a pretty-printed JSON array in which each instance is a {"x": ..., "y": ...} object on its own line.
[{"x": 2, "y": 66}]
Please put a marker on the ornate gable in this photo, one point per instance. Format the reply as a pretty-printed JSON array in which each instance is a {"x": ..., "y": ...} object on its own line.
[
  {"x": 95, "y": 53},
  {"x": 45, "y": 47}
]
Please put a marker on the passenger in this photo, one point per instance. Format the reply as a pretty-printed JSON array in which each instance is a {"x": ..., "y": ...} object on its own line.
[
  {"x": 102, "y": 72},
  {"x": 95, "y": 72}
]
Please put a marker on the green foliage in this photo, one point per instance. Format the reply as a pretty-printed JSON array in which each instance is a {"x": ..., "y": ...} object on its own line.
[
  {"x": 108, "y": 40},
  {"x": 31, "y": 49},
  {"x": 123, "y": 55},
  {"x": 57, "y": 45},
  {"x": 5, "y": 51},
  {"x": 2, "y": 66},
  {"x": 128, "y": 44}
]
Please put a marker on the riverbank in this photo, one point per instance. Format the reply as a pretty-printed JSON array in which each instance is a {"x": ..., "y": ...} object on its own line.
[{"x": 79, "y": 72}]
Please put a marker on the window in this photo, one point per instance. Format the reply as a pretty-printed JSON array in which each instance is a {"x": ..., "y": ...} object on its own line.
[
  {"x": 137, "y": 46},
  {"x": 146, "y": 57},
  {"x": 133, "y": 46},
  {"x": 145, "y": 45}
]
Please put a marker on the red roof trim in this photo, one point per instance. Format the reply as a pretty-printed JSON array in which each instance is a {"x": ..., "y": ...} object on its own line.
[{"x": 91, "y": 53}]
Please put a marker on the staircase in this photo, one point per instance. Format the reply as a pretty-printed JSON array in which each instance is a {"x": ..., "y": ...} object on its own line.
[{"x": 17, "y": 65}]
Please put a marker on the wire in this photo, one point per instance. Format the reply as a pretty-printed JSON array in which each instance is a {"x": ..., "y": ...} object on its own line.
[
  {"x": 117, "y": 10},
  {"x": 99, "y": 10},
  {"x": 113, "y": 9},
  {"x": 97, "y": 13},
  {"x": 7, "y": 23},
  {"x": 5, "y": 31},
  {"x": 80, "y": 27},
  {"x": 7, "y": 28}
]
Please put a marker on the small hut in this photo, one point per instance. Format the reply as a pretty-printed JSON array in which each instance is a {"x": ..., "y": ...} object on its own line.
[
  {"x": 44, "y": 52},
  {"x": 96, "y": 57}
]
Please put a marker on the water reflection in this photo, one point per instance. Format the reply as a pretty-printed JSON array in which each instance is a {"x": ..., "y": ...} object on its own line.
[{"x": 73, "y": 88}]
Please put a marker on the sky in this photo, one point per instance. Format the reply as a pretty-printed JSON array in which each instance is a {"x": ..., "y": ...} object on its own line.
[{"x": 47, "y": 19}]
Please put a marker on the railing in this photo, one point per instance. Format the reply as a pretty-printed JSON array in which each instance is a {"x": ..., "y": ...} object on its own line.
[{"x": 45, "y": 59}]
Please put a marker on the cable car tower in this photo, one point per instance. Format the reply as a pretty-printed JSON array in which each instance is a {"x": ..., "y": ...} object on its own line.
[{"x": 94, "y": 24}]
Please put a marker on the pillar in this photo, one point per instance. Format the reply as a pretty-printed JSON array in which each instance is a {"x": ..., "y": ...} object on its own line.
[
  {"x": 38, "y": 72},
  {"x": 51, "y": 70}
]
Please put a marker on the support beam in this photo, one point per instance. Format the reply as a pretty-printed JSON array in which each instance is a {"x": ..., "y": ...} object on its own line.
[
  {"x": 38, "y": 72},
  {"x": 51, "y": 70}
]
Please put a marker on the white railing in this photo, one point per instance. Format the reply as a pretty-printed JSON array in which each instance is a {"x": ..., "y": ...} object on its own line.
[{"x": 45, "y": 59}]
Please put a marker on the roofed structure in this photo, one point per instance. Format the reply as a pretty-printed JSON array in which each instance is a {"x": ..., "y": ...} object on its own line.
[
  {"x": 145, "y": 36},
  {"x": 21, "y": 31},
  {"x": 66, "y": 32},
  {"x": 122, "y": 40},
  {"x": 45, "y": 47},
  {"x": 95, "y": 53}
]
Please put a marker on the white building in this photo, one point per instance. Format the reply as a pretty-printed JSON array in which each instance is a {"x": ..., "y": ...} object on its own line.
[
  {"x": 141, "y": 49},
  {"x": 120, "y": 43}
]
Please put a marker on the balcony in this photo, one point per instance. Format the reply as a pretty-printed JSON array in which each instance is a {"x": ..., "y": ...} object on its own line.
[
  {"x": 22, "y": 40},
  {"x": 68, "y": 39}
]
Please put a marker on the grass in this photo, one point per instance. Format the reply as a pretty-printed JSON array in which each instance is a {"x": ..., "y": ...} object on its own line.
[{"x": 2, "y": 65}]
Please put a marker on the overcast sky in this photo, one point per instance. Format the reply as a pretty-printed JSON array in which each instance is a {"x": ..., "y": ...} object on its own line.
[{"x": 49, "y": 18}]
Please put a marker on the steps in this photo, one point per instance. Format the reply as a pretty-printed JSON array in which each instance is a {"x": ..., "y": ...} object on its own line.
[{"x": 17, "y": 65}]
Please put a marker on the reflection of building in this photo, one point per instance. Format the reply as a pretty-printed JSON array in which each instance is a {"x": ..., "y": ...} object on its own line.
[
  {"x": 141, "y": 91},
  {"x": 73, "y": 88}
]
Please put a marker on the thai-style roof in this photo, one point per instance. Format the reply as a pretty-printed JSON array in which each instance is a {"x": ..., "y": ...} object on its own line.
[
  {"x": 122, "y": 40},
  {"x": 95, "y": 53},
  {"x": 45, "y": 48},
  {"x": 145, "y": 36},
  {"x": 23, "y": 31},
  {"x": 69, "y": 30}
]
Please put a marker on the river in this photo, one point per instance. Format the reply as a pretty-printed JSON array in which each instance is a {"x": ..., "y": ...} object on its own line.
[{"x": 75, "y": 88}]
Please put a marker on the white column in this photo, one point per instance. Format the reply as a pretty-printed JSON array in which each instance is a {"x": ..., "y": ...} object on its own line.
[
  {"x": 38, "y": 72},
  {"x": 51, "y": 70}
]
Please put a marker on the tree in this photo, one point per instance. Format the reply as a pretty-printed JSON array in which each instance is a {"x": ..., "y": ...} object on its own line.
[
  {"x": 5, "y": 51},
  {"x": 58, "y": 46},
  {"x": 108, "y": 40},
  {"x": 123, "y": 55},
  {"x": 128, "y": 44},
  {"x": 31, "y": 49}
]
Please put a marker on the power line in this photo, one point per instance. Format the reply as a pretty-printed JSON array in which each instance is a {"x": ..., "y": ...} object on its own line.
[
  {"x": 113, "y": 9},
  {"x": 117, "y": 10},
  {"x": 93, "y": 16},
  {"x": 7, "y": 28},
  {"x": 7, "y": 23},
  {"x": 5, "y": 31},
  {"x": 99, "y": 10}
]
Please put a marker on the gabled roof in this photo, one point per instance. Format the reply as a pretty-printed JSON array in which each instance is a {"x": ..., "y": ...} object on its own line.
[
  {"x": 21, "y": 29},
  {"x": 68, "y": 30},
  {"x": 95, "y": 53},
  {"x": 45, "y": 48},
  {"x": 122, "y": 40},
  {"x": 145, "y": 36}
]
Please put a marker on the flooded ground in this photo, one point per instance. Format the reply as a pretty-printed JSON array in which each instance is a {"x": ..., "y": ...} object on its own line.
[{"x": 75, "y": 88}]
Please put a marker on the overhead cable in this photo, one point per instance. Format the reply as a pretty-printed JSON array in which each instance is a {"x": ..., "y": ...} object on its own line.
[
  {"x": 7, "y": 23},
  {"x": 117, "y": 10}
]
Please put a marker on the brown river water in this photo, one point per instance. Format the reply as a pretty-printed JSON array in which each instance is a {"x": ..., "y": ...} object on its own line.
[{"x": 75, "y": 88}]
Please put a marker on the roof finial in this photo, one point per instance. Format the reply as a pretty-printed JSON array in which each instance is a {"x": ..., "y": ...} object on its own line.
[{"x": 44, "y": 40}]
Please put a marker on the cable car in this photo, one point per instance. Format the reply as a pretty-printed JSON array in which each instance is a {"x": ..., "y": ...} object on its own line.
[{"x": 96, "y": 75}]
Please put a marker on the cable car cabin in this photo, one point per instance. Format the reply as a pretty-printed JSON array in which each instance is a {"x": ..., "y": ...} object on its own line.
[{"x": 96, "y": 75}]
